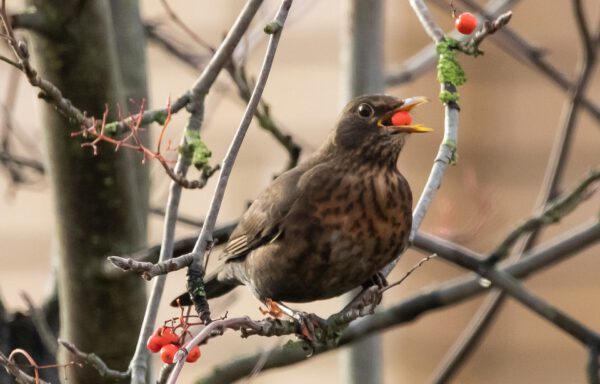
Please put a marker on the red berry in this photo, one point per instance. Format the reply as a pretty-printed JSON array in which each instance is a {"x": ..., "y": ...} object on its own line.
[
  {"x": 466, "y": 23},
  {"x": 154, "y": 343},
  {"x": 167, "y": 335},
  {"x": 401, "y": 118},
  {"x": 193, "y": 355},
  {"x": 167, "y": 353}
]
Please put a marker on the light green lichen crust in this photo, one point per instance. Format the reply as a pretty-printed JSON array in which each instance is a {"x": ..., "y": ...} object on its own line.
[
  {"x": 448, "y": 69},
  {"x": 196, "y": 150}
]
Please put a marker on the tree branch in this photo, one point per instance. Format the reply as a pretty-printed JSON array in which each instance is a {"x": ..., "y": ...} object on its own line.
[
  {"x": 551, "y": 214},
  {"x": 238, "y": 75},
  {"x": 205, "y": 239},
  {"x": 507, "y": 40},
  {"x": 14, "y": 370},
  {"x": 479, "y": 324},
  {"x": 200, "y": 88},
  {"x": 95, "y": 361},
  {"x": 429, "y": 299}
]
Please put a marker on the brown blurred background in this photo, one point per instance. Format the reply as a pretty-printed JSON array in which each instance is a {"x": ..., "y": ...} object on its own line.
[{"x": 510, "y": 114}]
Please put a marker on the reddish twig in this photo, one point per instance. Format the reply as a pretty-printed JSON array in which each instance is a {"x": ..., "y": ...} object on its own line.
[{"x": 133, "y": 141}]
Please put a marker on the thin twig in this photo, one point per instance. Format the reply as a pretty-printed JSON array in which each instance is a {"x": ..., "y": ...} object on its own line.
[
  {"x": 41, "y": 326},
  {"x": 551, "y": 214},
  {"x": 50, "y": 92},
  {"x": 409, "y": 272},
  {"x": 95, "y": 361},
  {"x": 16, "y": 372},
  {"x": 471, "y": 47},
  {"x": 205, "y": 238},
  {"x": 238, "y": 75},
  {"x": 508, "y": 40},
  {"x": 189, "y": 31}
]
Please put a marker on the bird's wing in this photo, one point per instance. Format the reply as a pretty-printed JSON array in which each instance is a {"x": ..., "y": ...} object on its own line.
[{"x": 260, "y": 223}]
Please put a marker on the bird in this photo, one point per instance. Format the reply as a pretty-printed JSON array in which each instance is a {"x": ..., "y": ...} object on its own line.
[{"x": 330, "y": 224}]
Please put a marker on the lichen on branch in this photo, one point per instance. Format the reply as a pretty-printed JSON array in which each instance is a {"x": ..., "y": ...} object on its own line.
[
  {"x": 196, "y": 150},
  {"x": 449, "y": 70}
]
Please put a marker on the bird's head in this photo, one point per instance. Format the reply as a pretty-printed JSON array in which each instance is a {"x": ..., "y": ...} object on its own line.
[{"x": 366, "y": 130}]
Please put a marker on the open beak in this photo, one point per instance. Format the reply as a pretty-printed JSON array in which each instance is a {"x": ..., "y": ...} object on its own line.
[{"x": 408, "y": 105}]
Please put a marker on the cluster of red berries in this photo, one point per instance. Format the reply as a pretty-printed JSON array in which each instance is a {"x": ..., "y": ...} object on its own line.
[{"x": 168, "y": 343}]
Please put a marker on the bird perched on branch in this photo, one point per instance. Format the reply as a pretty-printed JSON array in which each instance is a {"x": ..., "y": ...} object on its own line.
[{"x": 331, "y": 223}]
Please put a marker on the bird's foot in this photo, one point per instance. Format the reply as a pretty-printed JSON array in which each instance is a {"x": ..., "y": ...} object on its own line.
[{"x": 308, "y": 323}]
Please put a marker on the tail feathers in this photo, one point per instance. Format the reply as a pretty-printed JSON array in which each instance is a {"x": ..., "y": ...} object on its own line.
[{"x": 213, "y": 288}]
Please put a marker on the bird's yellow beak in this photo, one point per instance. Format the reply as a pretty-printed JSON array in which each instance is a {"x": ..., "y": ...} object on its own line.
[{"x": 407, "y": 106}]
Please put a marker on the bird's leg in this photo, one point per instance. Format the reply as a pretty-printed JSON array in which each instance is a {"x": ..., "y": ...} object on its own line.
[
  {"x": 378, "y": 280},
  {"x": 273, "y": 309},
  {"x": 373, "y": 296},
  {"x": 370, "y": 296}
]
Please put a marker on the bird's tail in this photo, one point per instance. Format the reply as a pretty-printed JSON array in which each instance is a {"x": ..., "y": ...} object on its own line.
[{"x": 212, "y": 286}]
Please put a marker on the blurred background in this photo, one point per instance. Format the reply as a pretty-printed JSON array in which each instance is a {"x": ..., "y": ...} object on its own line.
[{"x": 509, "y": 116}]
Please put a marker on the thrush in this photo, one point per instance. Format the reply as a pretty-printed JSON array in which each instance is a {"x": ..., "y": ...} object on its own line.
[{"x": 332, "y": 222}]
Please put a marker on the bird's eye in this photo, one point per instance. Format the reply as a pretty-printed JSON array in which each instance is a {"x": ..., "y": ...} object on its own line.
[{"x": 365, "y": 110}]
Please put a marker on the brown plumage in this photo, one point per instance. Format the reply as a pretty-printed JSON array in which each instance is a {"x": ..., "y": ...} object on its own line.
[{"x": 330, "y": 224}]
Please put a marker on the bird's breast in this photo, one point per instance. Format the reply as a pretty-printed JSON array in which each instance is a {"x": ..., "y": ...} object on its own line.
[
  {"x": 365, "y": 221},
  {"x": 351, "y": 226}
]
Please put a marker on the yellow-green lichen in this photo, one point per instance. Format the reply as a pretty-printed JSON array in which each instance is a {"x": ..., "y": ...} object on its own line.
[
  {"x": 196, "y": 150},
  {"x": 449, "y": 70}
]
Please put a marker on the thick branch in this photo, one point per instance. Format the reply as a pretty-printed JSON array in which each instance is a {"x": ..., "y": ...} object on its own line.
[{"x": 442, "y": 296}]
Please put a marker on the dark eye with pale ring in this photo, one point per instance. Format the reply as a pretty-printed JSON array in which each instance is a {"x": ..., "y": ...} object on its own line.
[{"x": 365, "y": 110}]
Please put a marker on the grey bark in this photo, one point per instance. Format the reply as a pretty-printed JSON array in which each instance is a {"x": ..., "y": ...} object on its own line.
[
  {"x": 100, "y": 201},
  {"x": 362, "y": 66}
]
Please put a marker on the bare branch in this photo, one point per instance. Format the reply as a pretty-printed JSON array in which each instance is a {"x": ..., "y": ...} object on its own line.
[
  {"x": 511, "y": 286},
  {"x": 244, "y": 90},
  {"x": 139, "y": 363},
  {"x": 20, "y": 376},
  {"x": 429, "y": 299},
  {"x": 593, "y": 369},
  {"x": 480, "y": 322},
  {"x": 205, "y": 238},
  {"x": 551, "y": 214},
  {"x": 95, "y": 361},
  {"x": 471, "y": 47},
  {"x": 38, "y": 319},
  {"x": 507, "y": 40}
]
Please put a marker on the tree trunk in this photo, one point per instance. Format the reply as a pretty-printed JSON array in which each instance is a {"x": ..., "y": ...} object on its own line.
[
  {"x": 100, "y": 200},
  {"x": 362, "y": 63}
]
